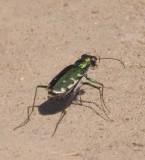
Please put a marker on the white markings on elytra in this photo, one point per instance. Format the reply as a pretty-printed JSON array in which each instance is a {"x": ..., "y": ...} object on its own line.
[
  {"x": 63, "y": 90},
  {"x": 70, "y": 86},
  {"x": 74, "y": 82},
  {"x": 73, "y": 79},
  {"x": 79, "y": 75}
]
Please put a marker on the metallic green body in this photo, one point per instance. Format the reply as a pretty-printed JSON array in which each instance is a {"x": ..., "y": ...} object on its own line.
[
  {"x": 72, "y": 75},
  {"x": 69, "y": 79}
]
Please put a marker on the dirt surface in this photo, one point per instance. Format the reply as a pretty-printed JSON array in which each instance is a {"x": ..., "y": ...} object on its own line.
[{"x": 37, "y": 40}]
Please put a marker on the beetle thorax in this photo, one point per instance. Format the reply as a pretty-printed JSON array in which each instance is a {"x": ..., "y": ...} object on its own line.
[{"x": 83, "y": 63}]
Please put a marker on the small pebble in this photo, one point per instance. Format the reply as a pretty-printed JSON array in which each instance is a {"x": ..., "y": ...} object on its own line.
[{"x": 22, "y": 78}]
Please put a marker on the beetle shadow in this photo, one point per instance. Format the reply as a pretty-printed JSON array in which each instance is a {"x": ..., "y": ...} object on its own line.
[{"x": 59, "y": 103}]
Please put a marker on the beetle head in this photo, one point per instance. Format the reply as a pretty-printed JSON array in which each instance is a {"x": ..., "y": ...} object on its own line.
[{"x": 89, "y": 58}]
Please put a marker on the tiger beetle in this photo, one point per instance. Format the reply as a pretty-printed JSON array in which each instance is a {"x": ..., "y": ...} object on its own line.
[{"x": 69, "y": 80}]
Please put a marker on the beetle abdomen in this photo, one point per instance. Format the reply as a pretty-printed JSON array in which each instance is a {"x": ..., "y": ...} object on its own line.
[{"x": 68, "y": 80}]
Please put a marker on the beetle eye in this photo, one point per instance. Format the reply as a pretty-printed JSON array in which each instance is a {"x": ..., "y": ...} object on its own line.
[
  {"x": 93, "y": 62},
  {"x": 94, "y": 59}
]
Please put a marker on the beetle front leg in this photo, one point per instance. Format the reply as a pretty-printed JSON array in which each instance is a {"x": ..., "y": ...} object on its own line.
[{"x": 100, "y": 88}]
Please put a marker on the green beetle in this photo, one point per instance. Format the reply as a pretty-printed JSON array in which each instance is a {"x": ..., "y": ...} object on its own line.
[{"x": 70, "y": 80}]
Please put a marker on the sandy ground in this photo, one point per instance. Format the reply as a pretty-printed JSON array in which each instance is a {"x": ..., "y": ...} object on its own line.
[{"x": 37, "y": 40}]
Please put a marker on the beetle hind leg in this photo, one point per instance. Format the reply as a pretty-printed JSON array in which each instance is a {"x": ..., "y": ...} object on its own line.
[{"x": 29, "y": 113}]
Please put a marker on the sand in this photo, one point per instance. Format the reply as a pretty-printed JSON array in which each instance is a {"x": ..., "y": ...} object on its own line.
[{"x": 37, "y": 40}]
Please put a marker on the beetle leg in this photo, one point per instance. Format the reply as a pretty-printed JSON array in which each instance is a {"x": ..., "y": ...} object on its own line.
[
  {"x": 80, "y": 97},
  {"x": 61, "y": 117},
  {"x": 100, "y": 88},
  {"x": 28, "y": 108}
]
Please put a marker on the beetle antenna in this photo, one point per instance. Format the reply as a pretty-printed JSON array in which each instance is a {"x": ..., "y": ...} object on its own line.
[{"x": 115, "y": 60}]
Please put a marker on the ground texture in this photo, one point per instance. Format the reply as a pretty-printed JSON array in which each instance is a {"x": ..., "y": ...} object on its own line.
[{"x": 40, "y": 38}]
